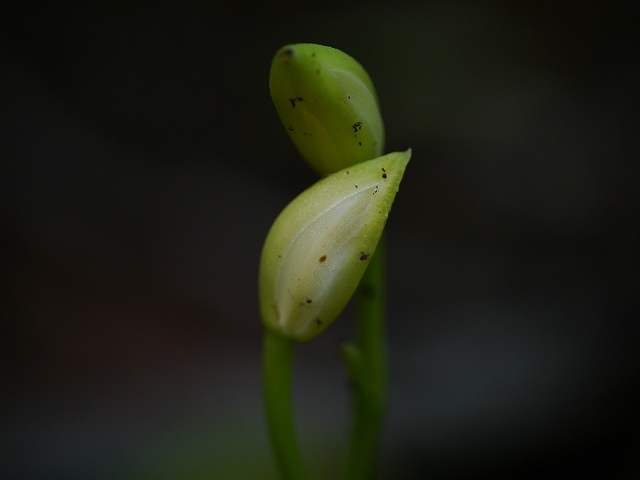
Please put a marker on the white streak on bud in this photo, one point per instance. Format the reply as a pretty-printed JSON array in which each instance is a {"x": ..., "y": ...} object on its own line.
[{"x": 319, "y": 246}]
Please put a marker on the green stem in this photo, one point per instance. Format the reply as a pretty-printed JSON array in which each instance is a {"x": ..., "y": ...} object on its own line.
[
  {"x": 367, "y": 365},
  {"x": 278, "y": 360}
]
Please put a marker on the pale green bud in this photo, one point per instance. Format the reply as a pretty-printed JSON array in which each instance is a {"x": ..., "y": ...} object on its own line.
[
  {"x": 328, "y": 106},
  {"x": 320, "y": 245}
]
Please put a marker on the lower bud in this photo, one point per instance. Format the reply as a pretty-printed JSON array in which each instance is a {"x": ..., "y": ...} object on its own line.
[{"x": 320, "y": 245}]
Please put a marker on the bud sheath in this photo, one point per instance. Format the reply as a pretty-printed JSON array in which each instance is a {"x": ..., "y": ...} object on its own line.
[
  {"x": 320, "y": 245},
  {"x": 328, "y": 106}
]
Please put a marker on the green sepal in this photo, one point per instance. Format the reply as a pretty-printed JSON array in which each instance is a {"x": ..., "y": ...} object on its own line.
[
  {"x": 320, "y": 245},
  {"x": 328, "y": 106}
]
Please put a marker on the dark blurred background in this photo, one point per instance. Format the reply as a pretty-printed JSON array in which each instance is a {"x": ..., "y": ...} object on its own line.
[{"x": 142, "y": 163}]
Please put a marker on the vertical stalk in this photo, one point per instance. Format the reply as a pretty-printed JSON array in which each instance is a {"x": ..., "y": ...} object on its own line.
[
  {"x": 278, "y": 360},
  {"x": 367, "y": 365}
]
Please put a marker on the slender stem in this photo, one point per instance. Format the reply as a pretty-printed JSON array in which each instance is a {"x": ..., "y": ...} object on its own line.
[
  {"x": 367, "y": 364},
  {"x": 278, "y": 360}
]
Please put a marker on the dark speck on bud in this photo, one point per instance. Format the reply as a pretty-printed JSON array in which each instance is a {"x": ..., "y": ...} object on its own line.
[{"x": 285, "y": 54}]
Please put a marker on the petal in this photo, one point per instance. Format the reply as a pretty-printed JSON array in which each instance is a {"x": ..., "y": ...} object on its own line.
[
  {"x": 328, "y": 106},
  {"x": 319, "y": 246}
]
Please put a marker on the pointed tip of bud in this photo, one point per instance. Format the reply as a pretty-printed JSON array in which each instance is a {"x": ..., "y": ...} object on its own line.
[{"x": 320, "y": 245}]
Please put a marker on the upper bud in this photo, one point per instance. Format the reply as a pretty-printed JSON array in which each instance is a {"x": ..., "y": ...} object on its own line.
[
  {"x": 320, "y": 245},
  {"x": 328, "y": 106}
]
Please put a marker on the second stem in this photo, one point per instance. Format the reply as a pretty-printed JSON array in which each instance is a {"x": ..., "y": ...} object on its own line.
[{"x": 367, "y": 364}]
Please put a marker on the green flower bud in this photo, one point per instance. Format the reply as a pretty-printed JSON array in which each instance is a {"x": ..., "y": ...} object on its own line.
[
  {"x": 320, "y": 245},
  {"x": 328, "y": 106}
]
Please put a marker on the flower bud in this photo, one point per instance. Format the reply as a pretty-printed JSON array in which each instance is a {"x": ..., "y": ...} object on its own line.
[
  {"x": 328, "y": 106},
  {"x": 320, "y": 245}
]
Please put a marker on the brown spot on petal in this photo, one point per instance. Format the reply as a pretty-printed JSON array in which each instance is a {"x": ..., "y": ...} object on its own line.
[
  {"x": 286, "y": 54},
  {"x": 296, "y": 99}
]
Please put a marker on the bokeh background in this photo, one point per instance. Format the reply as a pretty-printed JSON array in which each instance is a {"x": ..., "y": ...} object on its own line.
[{"x": 142, "y": 163}]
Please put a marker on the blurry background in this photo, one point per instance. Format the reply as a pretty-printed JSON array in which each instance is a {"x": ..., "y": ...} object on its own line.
[{"x": 142, "y": 163}]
